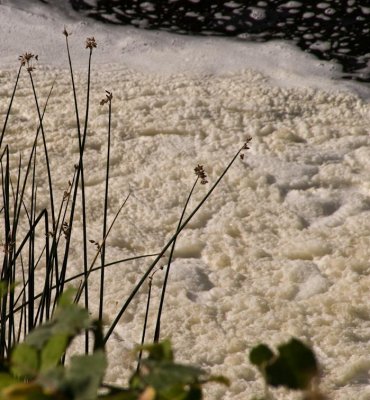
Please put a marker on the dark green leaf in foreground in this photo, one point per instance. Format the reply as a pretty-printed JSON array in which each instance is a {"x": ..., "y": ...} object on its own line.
[
  {"x": 159, "y": 351},
  {"x": 53, "y": 351},
  {"x": 261, "y": 355},
  {"x": 85, "y": 375},
  {"x": 69, "y": 319},
  {"x": 167, "y": 374},
  {"x": 294, "y": 367},
  {"x": 24, "y": 361}
]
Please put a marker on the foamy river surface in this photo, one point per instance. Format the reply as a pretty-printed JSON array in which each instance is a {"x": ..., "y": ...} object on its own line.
[{"x": 282, "y": 247}]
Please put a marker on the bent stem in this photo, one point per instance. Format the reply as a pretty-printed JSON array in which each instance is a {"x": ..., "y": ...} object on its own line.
[
  {"x": 160, "y": 308},
  {"x": 169, "y": 243}
]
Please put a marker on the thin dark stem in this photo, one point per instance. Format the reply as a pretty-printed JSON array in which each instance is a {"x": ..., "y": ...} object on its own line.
[
  {"x": 81, "y": 274},
  {"x": 98, "y": 252},
  {"x": 145, "y": 322},
  {"x": 46, "y": 152},
  {"x": 160, "y": 308},
  {"x": 165, "y": 248},
  {"x": 10, "y": 105},
  {"x": 101, "y": 296}
]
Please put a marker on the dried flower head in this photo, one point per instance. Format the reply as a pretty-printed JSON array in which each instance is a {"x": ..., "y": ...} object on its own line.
[
  {"x": 96, "y": 244},
  {"x": 108, "y": 98},
  {"x": 245, "y": 146},
  {"x": 26, "y": 60},
  {"x": 199, "y": 172},
  {"x": 67, "y": 192},
  {"x": 90, "y": 43},
  {"x": 247, "y": 140},
  {"x": 65, "y": 32}
]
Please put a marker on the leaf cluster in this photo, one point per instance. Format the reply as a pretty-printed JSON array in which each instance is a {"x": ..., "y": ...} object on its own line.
[
  {"x": 294, "y": 367},
  {"x": 37, "y": 372}
]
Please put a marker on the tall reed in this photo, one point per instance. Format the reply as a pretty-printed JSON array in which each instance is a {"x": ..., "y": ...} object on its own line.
[{"x": 32, "y": 237}]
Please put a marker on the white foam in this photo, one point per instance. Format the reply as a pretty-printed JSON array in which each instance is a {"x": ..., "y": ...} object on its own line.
[{"x": 280, "y": 249}]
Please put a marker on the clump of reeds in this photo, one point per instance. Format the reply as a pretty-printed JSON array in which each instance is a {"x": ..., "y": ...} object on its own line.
[{"x": 23, "y": 304}]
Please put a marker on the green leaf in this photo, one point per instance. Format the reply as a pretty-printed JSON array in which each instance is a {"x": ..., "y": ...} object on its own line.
[
  {"x": 85, "y": 375},
  {"x": 24, "y": 361},
  {"x": 39, "y": 336},
  {"x": 294, "y": 368},
  {"x": 164, "y": 374},
  {"x": 261, "y": 355},
  {"x": 71, "y": 319},
  {"x": 68, "y": 320},
  {"x": 53, "y": 351},
  {"x": 52, "y": 380},
  {"x": 159, "y": 351},
  {"x": 67, "y": 298}
]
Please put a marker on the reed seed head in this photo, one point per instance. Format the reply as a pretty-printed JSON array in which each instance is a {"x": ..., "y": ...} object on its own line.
[
  {"x": 245, "y": 146},
  {"x": 26, "y": 60},
  {"x": 108, "y": 98},
  {"x": 247, "y": 141},
  {"x": 200, "y": 173},
  {"x": 90, "y": 43},
  {"x": 65, "y": 32},
  {"x": 96, "y": 244}
]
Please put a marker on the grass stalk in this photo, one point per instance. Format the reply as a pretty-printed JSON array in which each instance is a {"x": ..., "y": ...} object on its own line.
[
  {"x": 101, "y": 294},
  {"x": 164, "y": 287},
  {"x": 10, "y": 105},
  {"x": 169, "y": 243}
]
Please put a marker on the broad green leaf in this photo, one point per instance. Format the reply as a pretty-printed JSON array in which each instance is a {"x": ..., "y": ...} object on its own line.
[
  {"x": 40, "y": 335},
  {"x": 53, "y": 351},
  {"x": 260, "y": 355},
  {"x": 24, "y": 361},
  {"x": 85, "y": 374},
  {"x": 53, "y": 380},
  {"x": 294, "y": 368},
  {"x": 159, "y": 351},
  {"x": 67, "y": 298},
  {"x": 69, "y": 321},
  {"x": 166, "y": 374}
]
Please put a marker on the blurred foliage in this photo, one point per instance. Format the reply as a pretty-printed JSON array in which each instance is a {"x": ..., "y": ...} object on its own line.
[
  {"x": 293, "y": 367},
  {"x": 36, "y": 370}
]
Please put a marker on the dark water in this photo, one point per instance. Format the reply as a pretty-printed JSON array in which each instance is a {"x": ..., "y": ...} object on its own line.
[{"x": 337, "y": 30}]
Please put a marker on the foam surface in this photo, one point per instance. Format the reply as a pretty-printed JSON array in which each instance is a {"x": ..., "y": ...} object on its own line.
[{"x": 282, "y": 247}]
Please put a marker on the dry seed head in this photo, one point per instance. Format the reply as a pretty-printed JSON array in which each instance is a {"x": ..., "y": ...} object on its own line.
[
  {"x": 26, "y": 60},
  {"x": 199, "y": 172},
  {"x": 90, "y": 43},
  {"x": 108, "y": 98},
  {"x": 65, "y": 32},
  {"x": 247, "y": 140},
  {"x": 96, "y": 244},
  {"x": 245, "y": 146}
]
